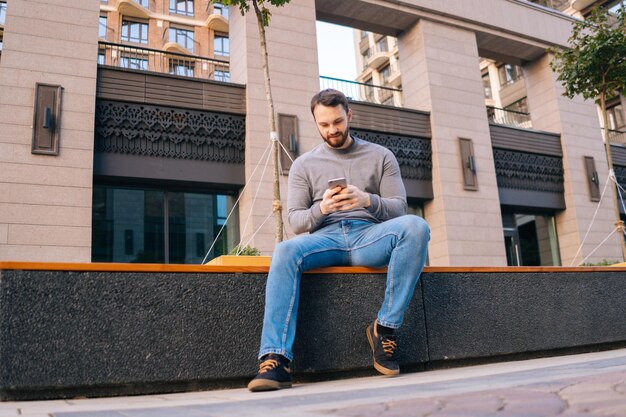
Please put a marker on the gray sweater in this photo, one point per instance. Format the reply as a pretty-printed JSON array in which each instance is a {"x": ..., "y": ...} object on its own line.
[{"x": 370, "y": 167}]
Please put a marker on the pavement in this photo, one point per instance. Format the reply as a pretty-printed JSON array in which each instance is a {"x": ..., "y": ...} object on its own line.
[{"x": 590, "y": 384}]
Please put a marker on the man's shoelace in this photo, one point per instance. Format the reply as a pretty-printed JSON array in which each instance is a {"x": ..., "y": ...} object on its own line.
[
  {"x": 389, "y": 346},
  {"x": 268, "y": 365}
]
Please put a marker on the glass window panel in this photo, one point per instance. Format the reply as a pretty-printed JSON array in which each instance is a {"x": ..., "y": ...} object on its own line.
[
  {"x": 102, "y": 27},
  {"x": 221, "y": 45},
  {"x": 184, "y": 7},
  {"x": 134, "y": 32},
  {"x": 183, "y": 37},
  {"x": 530, "y": 240},
  {"x": 182, "y": 68},
  {"x": 195, "y": 221},
  {"x": 220, "y": 9},
  {"x": 3, "y": 12},
  {"x": 128, "y": 225},
  {"x": 616, "y": 117},
  {"x": 385, "y": 73},
  {"x": 222, "y": 76},
  {"x": 487, "y": 86},
  {"x": 134, "y": 63}
]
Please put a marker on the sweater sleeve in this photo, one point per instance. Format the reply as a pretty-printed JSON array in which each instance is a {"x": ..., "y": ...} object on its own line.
[
  {"x": 304, "y": 214},
  {"x": 392, "y": 199}
]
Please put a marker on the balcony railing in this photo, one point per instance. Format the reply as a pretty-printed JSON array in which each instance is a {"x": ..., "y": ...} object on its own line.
[
  {"x": 509, "y": 117},
  {"x": 368, "y": 93},
  {"x": 147, "y": 59},
  {"x": 617, "y": 137}
]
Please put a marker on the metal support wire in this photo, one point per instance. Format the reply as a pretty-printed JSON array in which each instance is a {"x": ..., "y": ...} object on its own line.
[
  {"x": 592, "y": 221},
  {"x": 234, "y": 206}
]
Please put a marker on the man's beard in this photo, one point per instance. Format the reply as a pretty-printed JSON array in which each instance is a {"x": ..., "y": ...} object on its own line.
[{"x": 339, "y": 140}]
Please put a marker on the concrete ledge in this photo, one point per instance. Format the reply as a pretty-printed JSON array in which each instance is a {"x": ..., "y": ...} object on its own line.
[{"x": 90, "y": 332}]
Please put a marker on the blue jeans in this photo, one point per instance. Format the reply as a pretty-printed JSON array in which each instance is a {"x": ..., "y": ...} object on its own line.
[{"x": 400, "y": 243}]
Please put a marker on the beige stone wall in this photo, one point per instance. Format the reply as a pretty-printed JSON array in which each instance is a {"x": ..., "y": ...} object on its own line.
[
  {"x": 577, "y": 121},
  {"x": 295, "y": 78},
  {"x": 45, "y": 201},
  {"x": 440, "y": 74}
]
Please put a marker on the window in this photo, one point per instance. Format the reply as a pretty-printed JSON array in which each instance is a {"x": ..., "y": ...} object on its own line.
[
  {"x": 134, "y": 31},
  {"x": 530, "y": 239},
  {"x": 364, "y": 34},
  {"x": 220, "y": 75},
  {"x": 102, "y": 27},
  {"x": 487, "y": 85},
  {"x": 615, "y": 113},
  {"x": 508, "y": 74},
  {"x": 143, "y": 3},
  {"x": 182, "y": 37},
  {"x": 184, "y": 69},
  {"x": 381, "y": 45},
  {"x": 101, "y": 57},
  {"x": 184, "y": 7},
  {"x": 221, "y": 45},
  {"x": 385, "y": 73},
  {"x": 365, "y": 55},
  {"x": 369, "y": 91},
  {"x": 133, "y": 224},
  {"x": 3, "y": 11},
  {"x": 134, "y": 63},
  {"x": 219, "y": 8}
]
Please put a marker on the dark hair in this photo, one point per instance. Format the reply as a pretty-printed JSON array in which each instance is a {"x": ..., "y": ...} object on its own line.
[{"x": 329, "y": 98}]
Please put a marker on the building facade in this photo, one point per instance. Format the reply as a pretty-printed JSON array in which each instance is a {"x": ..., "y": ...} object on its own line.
[
  {"x": 530, "y": 233},
  {"x": 144, "y": 137}
]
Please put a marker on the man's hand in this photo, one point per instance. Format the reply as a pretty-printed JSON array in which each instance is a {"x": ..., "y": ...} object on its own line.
[{"x": 343, "y": 199}]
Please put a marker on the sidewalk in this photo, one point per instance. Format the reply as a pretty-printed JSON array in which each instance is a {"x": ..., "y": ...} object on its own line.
[{"x": 592, "y": 384}]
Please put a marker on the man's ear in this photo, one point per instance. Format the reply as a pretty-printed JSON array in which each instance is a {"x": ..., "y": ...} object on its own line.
[{"x": 349, "y": 114}]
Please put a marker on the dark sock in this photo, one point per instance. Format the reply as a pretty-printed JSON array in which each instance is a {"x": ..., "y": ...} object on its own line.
[
  {"x": 384, "y": 331},
  {"x": 283, "y": 360}
]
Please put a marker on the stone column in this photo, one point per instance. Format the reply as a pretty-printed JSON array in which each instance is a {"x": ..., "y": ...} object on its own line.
[
  {"x": 45, "y": 201},
  {"x": 440, "y": 74},
  {"x": 292, "y": 49},
  {"x": 577, "y": 121}
]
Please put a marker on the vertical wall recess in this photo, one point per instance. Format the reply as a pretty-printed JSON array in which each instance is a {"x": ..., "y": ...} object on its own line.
[
  {"x": 468, "y": 165},
  {"x": 592, "y": 178},
  {"x": 46, "y": 120}
]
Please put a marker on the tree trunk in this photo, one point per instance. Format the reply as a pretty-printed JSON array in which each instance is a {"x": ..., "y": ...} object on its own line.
[
  {"x": 607, "y": 146},
  {"x": 277, "y": 205}
]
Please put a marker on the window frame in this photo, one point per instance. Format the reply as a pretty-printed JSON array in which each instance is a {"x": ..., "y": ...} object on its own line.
[
  {"x": 174, "y": 9},
  {"x": 223, "y": 37},
  {"x": 142, "y": 23},
  {"x": 176, "y": 29}
]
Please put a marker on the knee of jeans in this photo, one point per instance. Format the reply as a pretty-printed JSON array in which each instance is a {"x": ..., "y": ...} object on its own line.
[
  {"x": 417, "y": 227},
  {"x": 286, "y": 250}
]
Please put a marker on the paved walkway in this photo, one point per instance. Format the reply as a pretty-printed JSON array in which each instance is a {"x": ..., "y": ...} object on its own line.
[{"x": 592, "y": 384}]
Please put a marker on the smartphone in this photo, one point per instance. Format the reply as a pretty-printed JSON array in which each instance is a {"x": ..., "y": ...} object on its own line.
[{"x": 337, "y": 182}]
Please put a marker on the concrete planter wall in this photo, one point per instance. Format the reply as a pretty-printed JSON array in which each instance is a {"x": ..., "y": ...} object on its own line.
[{"x": 68, "y": 333}]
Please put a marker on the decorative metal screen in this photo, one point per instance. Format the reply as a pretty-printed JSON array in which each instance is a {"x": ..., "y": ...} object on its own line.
[
  {"x": 528, "y": 171},
  {"x": 160, "y": 131},
  {"x": 413, "y": 154}
]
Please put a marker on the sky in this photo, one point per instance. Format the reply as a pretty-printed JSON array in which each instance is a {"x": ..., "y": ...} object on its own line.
[{"x": 335, "y": 50}]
